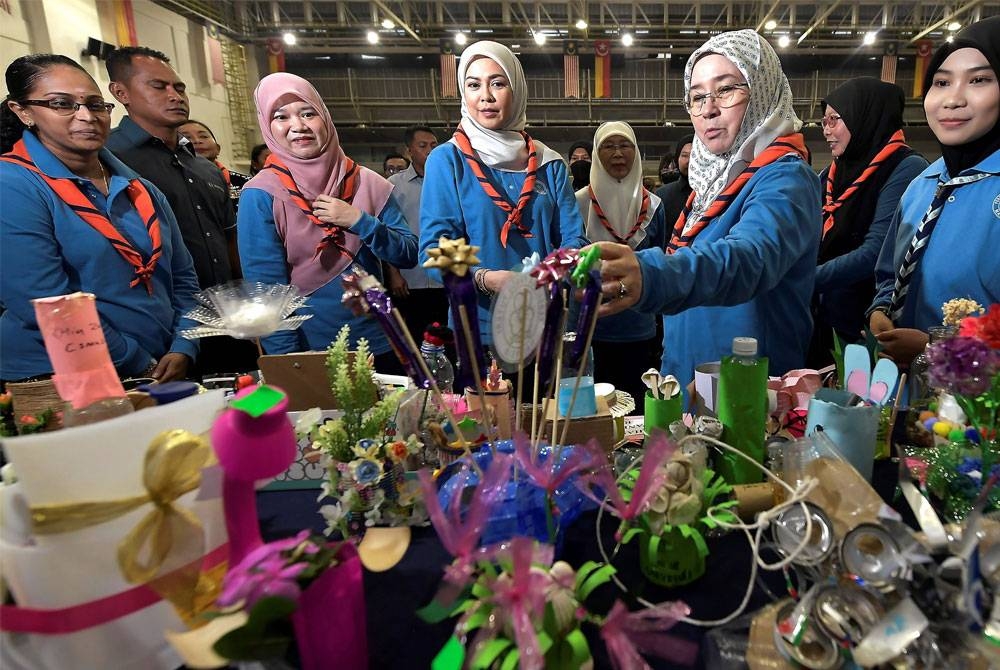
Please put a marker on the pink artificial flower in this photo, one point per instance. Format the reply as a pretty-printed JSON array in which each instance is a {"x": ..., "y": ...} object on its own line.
[
  {"x": 519, "y": 597},
  {"x": 651, "y": 478},
  {"x": 265, "y": 572},
  {"x": 461, "y": 537},
  {"x": 550, "y": 475},
  {"x": 629, "y": 634}
]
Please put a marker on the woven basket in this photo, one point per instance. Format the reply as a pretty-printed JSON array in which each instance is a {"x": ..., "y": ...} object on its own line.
[{"x": 33, "y": 398}]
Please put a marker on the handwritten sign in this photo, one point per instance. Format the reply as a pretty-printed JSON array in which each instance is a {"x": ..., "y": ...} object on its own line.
[{"x": 74, "y": 341}]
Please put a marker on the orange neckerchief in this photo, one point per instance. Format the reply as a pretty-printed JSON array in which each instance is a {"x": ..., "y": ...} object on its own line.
[
  {"x": 225, "y": 173},
  {"x": 643, "y": 210},
  {"x": 780, "y": 147},
  {"x": 69, "y": 192},
  {"x": 830, "y": 205},
  {"x": 348, "y": 189},
  {"x": 514, "y": 213}
]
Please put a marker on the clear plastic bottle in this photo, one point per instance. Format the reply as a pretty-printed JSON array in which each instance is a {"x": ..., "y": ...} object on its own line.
[
  {"x": 108, "y": 408},
  {"x": 432, "y": 349}
]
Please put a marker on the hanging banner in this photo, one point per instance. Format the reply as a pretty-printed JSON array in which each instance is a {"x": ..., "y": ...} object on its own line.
[
  {"x": 571, "y": 70},
  {"x": 275, "y": 55},
  {"x": 125, "y": 24},
  {"x": 602, "y": 69},
  {"x": 449, "y": 70},
  {"x": 924, "y": 50}
]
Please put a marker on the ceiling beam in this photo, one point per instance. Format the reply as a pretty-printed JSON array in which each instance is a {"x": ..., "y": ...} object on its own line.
[
  {"x": 818, "y": 20},
  {"x": 397, "y": 20},
  {"x": 950, "y": 17}
]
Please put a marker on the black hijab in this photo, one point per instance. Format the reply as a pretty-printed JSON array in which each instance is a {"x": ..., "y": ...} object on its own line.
[
  {"x": 872, "y": 110},
  {"x": 985, "y": 37},
  {"x": 580, "y": 170}
]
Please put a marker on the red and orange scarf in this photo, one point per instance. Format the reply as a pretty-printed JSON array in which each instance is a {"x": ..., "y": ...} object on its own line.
[
  {"x": 780, "y": 147},
  {"x": 334, "y": 235},
  {"x": 67, "y": 191},
  {"x": 514, "y": 212},
  {"x": 643, "y": 210},
  {"x": 831, "y": 204}
]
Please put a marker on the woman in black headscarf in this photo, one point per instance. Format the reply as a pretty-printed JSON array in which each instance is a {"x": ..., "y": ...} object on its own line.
[
  {"x": 943, "y": 241},
  {"x": 872, "y": 166},
  {"x": 580, "y": 157}
]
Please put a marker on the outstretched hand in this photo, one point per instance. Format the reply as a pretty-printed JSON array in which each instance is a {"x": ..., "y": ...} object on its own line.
[{"x": 621, "y": 278}]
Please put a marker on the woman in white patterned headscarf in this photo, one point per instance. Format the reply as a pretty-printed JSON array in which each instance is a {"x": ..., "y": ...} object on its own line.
[
  {"x": 742, "y": 257},
  {"x": 616, "y": 207}
]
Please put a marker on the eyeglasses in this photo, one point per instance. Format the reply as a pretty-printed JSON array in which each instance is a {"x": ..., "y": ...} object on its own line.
[
  {"x": 724, "y": 97},
  {"x": 66, "y": 107},
  {"x": 830, "y": 121},
  {"x": 392, "y": 169},
  {"x": 624, "y": 147}
]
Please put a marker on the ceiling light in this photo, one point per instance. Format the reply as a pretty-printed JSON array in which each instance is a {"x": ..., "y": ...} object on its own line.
[
  {"x": 461, "y": 39},
  {"x": 784, "y": 41},
  {"x": 372, "y": 37},
  {"x": 581, "y": 24},
  {"x": 954, "y": 25},
  {"x": 289, "y": 39},
  {"x": 388, "y": 24},
  {"x": 540, "y": 38},
  {"x": 627, "y": 39},
  {"x": 869, "y": 38},
  {"x": 771, "y": 24},
  {"x": 949, "y": 39}
]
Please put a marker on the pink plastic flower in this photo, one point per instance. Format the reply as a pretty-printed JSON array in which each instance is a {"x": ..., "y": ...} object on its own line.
[
  {"x": 264, "y": 572},
  {"x": 627, "y": 635},
  {"x": 550, "y": 475},
  {"x": 651, "y": 479},
  {"x": 519, "y": 597},
  {"x": 459, "y": 536}
]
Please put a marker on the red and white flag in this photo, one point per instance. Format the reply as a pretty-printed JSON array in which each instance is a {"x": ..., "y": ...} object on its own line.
[
  {"x": 449, "y": 70},
  {"x": 571, "y": 70}
]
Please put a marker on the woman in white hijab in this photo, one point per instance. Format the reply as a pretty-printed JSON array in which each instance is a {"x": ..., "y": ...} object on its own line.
[
  {"x": 742, "y": 257},
  {"x": 492, "y": 183},
  {"x": 616, "y": 207}
]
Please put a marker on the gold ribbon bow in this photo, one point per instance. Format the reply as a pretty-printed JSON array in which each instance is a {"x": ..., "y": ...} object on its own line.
[
  {"x": 454, "y": 256},
  {"x": 163, "y": 548}
]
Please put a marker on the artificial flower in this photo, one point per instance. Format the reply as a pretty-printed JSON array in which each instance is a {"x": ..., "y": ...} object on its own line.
[
  {"x": 551, "y": 472},
  {"x": 397, "y": 451},
  {"x": 679, "y": 500},
  {"x": 962, "y": 365},
  {"x": 985, "y": 328},
  {"x": 266, "y": 571},
  {"x": 957, "y": 309},
  {"x": 626, "y": 634},
  {"x": 365, "y": 471}
]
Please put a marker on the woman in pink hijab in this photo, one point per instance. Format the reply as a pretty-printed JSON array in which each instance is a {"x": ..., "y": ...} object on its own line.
[{"x": 311, "y": 212}]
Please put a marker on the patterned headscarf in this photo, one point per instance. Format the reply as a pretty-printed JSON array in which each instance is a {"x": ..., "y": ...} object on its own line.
[{"x": 769, "y": 114}]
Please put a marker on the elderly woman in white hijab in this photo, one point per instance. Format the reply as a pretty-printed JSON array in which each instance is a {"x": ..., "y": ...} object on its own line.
[
  {"x": 742, "y": 256},
  {"x": 492, "y": 183},
  {"x": 616, "y": 207}
]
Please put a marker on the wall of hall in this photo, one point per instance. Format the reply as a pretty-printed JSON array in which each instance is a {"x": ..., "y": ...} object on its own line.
[{"x": 63, "y": 26}]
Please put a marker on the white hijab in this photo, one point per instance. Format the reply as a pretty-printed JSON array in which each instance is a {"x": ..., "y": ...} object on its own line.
[
  {"x": 620, "y": 200},
  {"x": 769, "y": 114},
  {"x": 502, "y": 149}
]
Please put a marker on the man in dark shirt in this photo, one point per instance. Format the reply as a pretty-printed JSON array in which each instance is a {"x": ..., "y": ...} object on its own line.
[
  {"x": 147, "y": 140},
  {"x": 675, "y": 194}
]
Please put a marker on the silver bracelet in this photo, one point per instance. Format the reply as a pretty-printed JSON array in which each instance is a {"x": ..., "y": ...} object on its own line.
[{"x": 480, "y": 281}]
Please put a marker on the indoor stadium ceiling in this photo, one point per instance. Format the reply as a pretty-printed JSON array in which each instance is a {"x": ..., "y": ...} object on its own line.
[{"x": 339, "y": 26}]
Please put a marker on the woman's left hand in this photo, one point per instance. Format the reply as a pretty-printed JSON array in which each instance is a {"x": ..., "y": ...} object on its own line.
[
  {"x": 328, "y": 209},
  {"x": 170, "y": 367},
  {"x": 621, "y": 278}
]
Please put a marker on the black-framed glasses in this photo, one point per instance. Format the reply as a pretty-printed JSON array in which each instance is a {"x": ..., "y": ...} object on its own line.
[
  {"x": 66, "y": 107},
  {"x": 830, "y": 121},
  {"x": 611, "y": 147},
  {"x": 724, "y": 97}
]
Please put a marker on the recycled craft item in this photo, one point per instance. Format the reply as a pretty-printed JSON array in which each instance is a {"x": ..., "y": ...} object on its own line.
[
  {"x": 518, "y": 317},
  {"x": 94, "y": 485},
  {"x": 663, "y": 402},
  {"x": 246, "y": 310}
]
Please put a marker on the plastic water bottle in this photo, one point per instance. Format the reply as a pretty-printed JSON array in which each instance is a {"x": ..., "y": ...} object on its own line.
[
  {"x": 432, "y": 349},
  {"x": 742, "y": 409}
]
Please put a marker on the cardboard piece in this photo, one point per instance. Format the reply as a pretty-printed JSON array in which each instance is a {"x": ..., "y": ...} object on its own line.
[
  {"x": 302, "y": 376},
  {"x": 601, "y": 426}
]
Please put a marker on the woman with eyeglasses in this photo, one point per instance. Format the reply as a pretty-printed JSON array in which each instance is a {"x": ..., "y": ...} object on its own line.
[
  {"x": 942, "y": 243},
  {"x": 492, "y": 183},
  {"x": 616, "y": 207},
  {"x": 75, "y": 218},
  {"x": 872, "y": 166},
  {"x": 742, "y": 257}
]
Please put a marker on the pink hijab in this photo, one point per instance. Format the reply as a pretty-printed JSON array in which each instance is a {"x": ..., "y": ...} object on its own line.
[{"x": 313, "y": 176}]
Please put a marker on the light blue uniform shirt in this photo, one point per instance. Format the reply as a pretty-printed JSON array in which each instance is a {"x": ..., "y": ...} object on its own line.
[{"x": 408, "y": 186}]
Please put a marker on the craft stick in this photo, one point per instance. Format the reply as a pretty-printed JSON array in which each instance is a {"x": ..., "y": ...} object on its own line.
[
  {"x": 591, "y": 327},
  {"x": 464, "y": 317},
  {"x": 520, "y": 360},
  {"x": 435, "y": 390},
  {"x": 534, "y": 394},
  {"x": 553, "y": 387},
  {"x": 895, "y": 405}
]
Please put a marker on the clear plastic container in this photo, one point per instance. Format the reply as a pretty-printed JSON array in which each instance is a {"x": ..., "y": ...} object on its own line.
[{"x": 108, "y": 408}]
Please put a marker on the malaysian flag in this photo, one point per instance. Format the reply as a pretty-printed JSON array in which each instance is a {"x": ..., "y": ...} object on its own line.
[
  {"x": 571, "y": 70},
  {"x": 889, "y": 63},
  {"x": 449, "y": 71}
]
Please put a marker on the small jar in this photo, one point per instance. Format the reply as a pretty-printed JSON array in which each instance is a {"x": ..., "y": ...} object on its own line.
[{"x": 920, "y": 389}]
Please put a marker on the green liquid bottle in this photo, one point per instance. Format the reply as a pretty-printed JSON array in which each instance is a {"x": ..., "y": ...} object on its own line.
[{"x": 742, "y": 409}]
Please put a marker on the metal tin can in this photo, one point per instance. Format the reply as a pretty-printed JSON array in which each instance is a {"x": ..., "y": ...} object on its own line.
[
  {"x": 846, "y": 612},
  {"x": 870, "y": 552},
  {"x": 789, "y": 529},
  {"x": 815, "y": 649}
]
